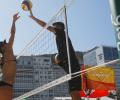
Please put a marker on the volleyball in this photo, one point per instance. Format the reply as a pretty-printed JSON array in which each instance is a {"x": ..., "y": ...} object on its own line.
[{"x": 26, "y": 5}]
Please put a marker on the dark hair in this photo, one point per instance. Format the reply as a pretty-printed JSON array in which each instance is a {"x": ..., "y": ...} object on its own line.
[
  {"x": 1, "y": 42},
  {"x": 59, "y": 24}
]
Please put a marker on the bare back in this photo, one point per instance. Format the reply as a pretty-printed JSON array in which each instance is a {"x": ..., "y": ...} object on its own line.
[
  {"x": 9, "y": 67},
  {"x": 6, "y": 93}
]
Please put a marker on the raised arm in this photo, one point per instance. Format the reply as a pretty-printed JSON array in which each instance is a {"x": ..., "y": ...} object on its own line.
[
  {"x": 40, "y": 22},
  {"x": 13, "y": 29}
]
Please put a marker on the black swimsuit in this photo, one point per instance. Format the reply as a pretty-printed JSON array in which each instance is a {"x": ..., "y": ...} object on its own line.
[
  {"x": 2, "y": 83},
  {"x": 75, "y": 83}
]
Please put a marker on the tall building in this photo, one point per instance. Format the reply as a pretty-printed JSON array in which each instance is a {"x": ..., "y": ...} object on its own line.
[
  {"x": 24, "y": 76},
  {"x": 35, "y": 71},
  {"x": 103, "y": 54}
]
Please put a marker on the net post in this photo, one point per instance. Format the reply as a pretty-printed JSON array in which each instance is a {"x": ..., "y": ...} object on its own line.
[{"x": 66, "y": 33}]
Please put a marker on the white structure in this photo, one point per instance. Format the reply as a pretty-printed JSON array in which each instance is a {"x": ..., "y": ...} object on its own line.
[
  {"x": 35, "y": 71},
  {"x": 100, "y": 55},
  {"x": 24, "y": 76},
  {"x": 62, "y": 98},
  {"x": 45, "y": 72},
  {"x": 69, "y": 98}
]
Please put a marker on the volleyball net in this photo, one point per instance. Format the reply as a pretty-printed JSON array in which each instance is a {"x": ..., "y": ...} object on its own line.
[
  {"x": 111, "y": 64},
  {"x": 35, "y": 63},
  {"x": 36, "y": 67}
]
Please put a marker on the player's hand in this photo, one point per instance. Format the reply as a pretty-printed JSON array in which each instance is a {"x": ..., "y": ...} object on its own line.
[
  {"x": 15, "y": 17},
  {"x": 55, "y": 59}
]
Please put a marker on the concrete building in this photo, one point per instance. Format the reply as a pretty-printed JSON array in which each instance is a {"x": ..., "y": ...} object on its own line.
[
  {"x": 24, "y": 76},
  {"x": 103, "y": 54},
  {"x": 35, "y": 71}
]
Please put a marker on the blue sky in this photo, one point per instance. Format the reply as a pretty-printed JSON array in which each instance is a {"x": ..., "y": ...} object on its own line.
[{"x": 89, "y": 22}]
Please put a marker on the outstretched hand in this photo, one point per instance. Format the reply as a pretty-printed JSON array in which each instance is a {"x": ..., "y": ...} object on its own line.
[{"x": 15, "y": 17}]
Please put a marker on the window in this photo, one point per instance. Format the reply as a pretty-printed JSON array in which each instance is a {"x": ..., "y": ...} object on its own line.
[
  {"x": 114, "y": 53},
  {"x": 107, "y": 53},
  {"x": 23, "y": 62},
  {"x": 100, "y": 56},
  {"x": 34, "y": 59},
  {"x": 46, "y": 60},
  {"x": 29, "y": 62}
]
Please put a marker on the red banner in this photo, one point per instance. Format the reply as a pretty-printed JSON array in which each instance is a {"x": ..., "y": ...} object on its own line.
[{"x": 97, "y": 82}]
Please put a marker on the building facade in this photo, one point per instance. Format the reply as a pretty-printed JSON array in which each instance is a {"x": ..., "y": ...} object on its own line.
[
  {"x": 24, "y": 76},
  {"x": 103, "y": 54},
  {"x": 35, "y": 71}
]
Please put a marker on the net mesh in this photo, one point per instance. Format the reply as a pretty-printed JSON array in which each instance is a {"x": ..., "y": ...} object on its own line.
[
  {"x": 37, "y": 76},
  {"x": 35, "y": 69}
]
